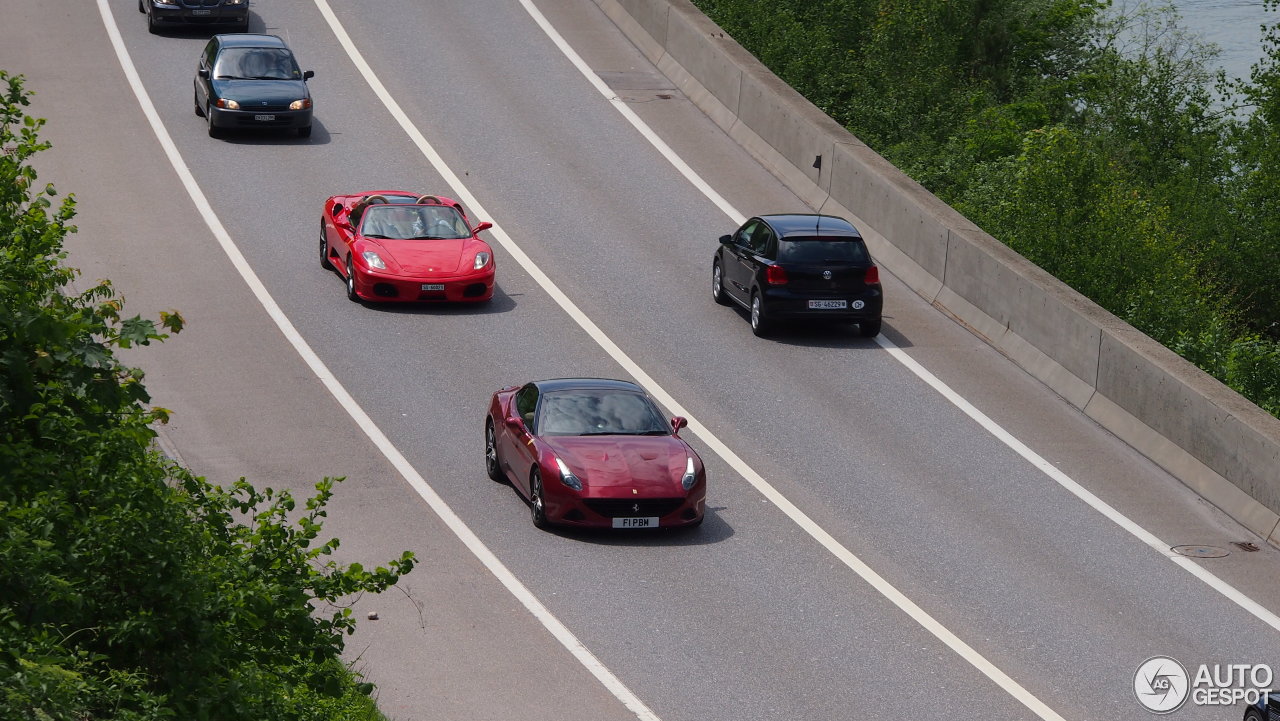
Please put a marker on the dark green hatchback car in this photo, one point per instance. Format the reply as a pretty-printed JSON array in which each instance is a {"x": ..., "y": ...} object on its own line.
[{"x": 248, "y": 81}]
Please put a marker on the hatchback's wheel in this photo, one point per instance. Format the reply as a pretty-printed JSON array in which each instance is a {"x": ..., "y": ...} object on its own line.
[
  {"x": 351, "y": 281},
  {"x": 717, "y": 284},
  {"x": 1253, "y": 714},
  {"x": 869, "y": 328},
  {"x": 140, "y": 8},
  {"x": 759, "y": 321},
  {"x": 491, "y": 463},
  {"x": 152, "y": 27},
  {"x": 214, "y": 131},
  {"x": 537, "y": 507}
]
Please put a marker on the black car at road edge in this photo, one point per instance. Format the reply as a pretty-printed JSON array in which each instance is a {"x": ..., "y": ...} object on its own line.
[
  {"x": 195, "y": 12},
  {"x": 799, "y": 266}
]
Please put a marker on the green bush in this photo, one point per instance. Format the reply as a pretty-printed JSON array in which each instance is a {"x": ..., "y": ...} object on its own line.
[{"x": 130, "y": 588}]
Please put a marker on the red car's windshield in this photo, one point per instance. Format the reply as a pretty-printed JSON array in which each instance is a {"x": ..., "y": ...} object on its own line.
[
  {"x": 413, "y": 222},
  {"x": 598, "y": 412}
]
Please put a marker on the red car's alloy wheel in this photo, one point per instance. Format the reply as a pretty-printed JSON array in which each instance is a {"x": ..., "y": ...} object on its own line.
[
  {"x": 537, "y": 508},
  {"x": 351, "y": 281},
  {"x": 491, "y": 454},
  {"x": 324, "y": 249}
]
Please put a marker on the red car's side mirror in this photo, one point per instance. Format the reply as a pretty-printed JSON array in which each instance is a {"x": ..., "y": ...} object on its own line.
[
  {"x": 677, "y": 423},
  {"x": 483, "y": 226}
]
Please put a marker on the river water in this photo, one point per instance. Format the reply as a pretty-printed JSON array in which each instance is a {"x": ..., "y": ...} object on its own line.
[{"x": 1233, "y": 25}]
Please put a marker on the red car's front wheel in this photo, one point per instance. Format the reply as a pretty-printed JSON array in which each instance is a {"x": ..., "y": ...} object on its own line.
[
  {"x": 351, "y": 282},
  {"x": 537, "y": 506}
]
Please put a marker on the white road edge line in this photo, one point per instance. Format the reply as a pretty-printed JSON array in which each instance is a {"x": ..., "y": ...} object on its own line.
[
  {"x": 411, "y": 475},
  {"x": 919, "y": 615},
  {"x": 1101, "y": 506}
]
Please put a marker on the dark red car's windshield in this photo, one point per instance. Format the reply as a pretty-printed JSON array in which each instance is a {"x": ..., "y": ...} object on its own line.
[{"x": 590, "y": 412}]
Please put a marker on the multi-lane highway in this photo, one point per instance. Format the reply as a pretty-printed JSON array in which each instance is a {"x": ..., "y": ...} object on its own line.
[{"x": 1049, "y": 604}]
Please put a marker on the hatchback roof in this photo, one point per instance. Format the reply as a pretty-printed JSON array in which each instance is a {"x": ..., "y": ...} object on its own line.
[
  {"x": 562, "y": 384},
  {"x": 250, "y": 40},
  {"x": 811, "y": 225}
]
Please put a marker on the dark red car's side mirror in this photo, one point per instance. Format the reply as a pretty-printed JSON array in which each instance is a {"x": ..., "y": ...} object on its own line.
[
  {"x": 678, "y": 422},
  {"x": 483, "y": 226},
  {"x": 514, "y": 421},
  {"x": 337, "y": 207}
]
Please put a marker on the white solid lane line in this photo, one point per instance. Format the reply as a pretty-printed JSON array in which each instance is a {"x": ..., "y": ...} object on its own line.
[
  {"x": 349, "y": 404},
  {"x": 1062, "y": 479},
  {"x": 919, "y": 615}
]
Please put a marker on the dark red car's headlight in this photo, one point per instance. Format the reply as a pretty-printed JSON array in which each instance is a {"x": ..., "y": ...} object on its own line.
[
  {"x": 567, "y": 477},
  {"x": 690, "y": 476}
]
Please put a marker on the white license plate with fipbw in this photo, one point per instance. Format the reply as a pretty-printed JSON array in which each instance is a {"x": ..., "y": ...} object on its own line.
[
  {"x": 433, "y": 286},
  {"x": 828, "y": 304},
  {"x": 642, "y": 522},
  {"x": 264, "y": 117}
]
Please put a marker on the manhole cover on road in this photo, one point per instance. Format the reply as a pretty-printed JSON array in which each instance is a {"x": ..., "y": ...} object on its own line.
[{"x": 1200, "y": 551}]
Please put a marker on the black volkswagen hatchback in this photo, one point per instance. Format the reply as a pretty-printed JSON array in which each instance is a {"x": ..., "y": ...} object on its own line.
[
  {"x": 245, "y": 80},
  {"x": 798, "y": 266}
]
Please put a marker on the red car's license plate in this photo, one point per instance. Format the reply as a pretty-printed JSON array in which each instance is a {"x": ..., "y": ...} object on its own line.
[
  {"x": 433, "y": 286},
  {"x": 264, "y": 117}
]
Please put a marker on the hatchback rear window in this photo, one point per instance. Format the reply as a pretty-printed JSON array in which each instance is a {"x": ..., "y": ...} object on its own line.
[{"x": 823, "y": 250}]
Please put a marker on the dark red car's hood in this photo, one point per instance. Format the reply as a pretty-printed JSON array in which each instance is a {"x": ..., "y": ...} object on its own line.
[{"x": 652, "y": 465}]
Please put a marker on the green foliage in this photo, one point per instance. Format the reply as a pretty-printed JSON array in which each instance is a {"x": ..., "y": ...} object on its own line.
[
  {"x": 1099, "y": 144},
  {"x": 130, "y": 588}
]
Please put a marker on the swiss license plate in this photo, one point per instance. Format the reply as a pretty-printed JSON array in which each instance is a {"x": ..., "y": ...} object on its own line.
[
  {"x": 264, "y": 117},
  {"x": 641, "y": 522},
  {"x": 202, "y": 12},
  {"x": 828, "y": 304},
  {"x": 433, "y": 286}
]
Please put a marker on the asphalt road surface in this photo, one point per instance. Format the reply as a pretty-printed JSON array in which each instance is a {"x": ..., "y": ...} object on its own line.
[{"x": 748, "y": 617}]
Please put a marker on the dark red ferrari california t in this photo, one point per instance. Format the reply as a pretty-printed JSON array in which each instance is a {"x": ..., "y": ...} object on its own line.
[{"x": 593, "y": 452}]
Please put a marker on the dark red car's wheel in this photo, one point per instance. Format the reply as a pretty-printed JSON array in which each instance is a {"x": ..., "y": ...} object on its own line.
[
  {"x": 491, "y": 463},
  {"x": 537, "y": 506}
]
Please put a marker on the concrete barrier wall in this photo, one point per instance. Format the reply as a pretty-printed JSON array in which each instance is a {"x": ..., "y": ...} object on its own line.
[{"x": 1211, "y": 438}]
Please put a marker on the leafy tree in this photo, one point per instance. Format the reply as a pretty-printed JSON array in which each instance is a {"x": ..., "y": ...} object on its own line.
[{"x": 130, "y": 588}]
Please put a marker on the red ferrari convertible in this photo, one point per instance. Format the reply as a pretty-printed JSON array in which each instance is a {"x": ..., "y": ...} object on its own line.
[
  {"x": 593, "y": 452},
  {"x": 394, "y": 245}
]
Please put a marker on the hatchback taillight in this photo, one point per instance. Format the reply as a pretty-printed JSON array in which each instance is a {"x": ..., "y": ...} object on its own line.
[
  {"x": 873, "y": 276},
  {"x": 775, "y": 275}
]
